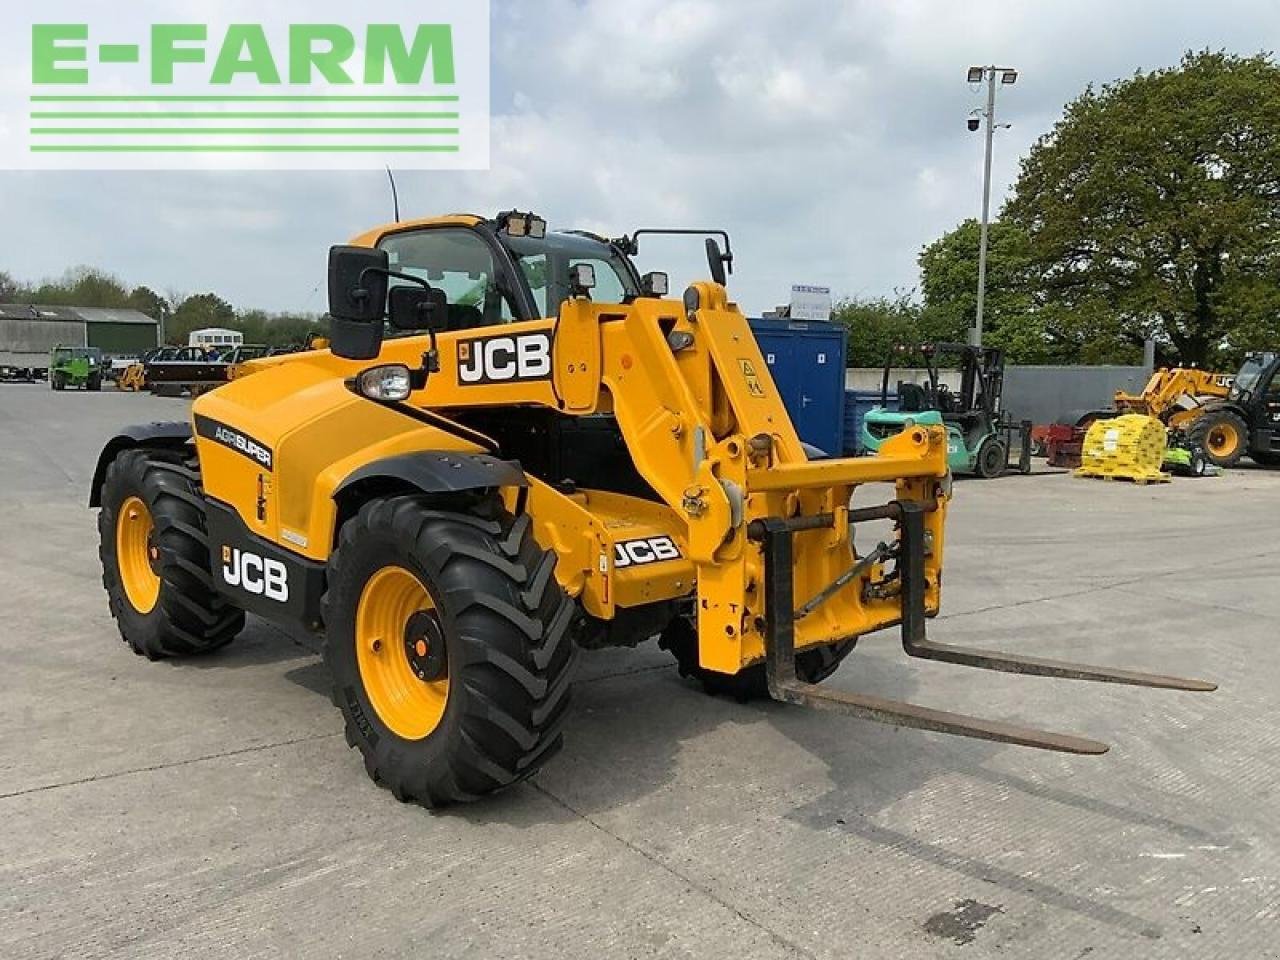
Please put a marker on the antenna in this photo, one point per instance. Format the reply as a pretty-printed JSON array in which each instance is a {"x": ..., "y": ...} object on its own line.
[{"x": 395, "y": 197}]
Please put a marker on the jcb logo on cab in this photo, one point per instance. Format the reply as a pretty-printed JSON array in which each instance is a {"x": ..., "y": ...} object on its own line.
[{"x": 504, "y": 359}]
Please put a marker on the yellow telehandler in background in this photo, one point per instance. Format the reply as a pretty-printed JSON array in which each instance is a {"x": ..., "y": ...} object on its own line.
[{"x": 1175, "y": 395}]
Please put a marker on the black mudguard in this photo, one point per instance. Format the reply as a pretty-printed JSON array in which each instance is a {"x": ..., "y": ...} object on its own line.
[
  {"x": 168, "y": 435},
  {"x": 438, "y": 471}
]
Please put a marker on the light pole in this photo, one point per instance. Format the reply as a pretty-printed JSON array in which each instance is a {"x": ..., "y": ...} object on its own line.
[{"x": 977, "y": 75}]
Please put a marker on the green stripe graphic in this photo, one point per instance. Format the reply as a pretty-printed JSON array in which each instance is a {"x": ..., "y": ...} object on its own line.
[
  {"x": 242, "y": 98},
  {"x": 241, "y": 148},
  {"x": 240, "y": 131},
  {"x": 235, "y": 115}
]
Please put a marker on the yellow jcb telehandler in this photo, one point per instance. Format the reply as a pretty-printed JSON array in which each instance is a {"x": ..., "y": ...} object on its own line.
[
  {"x": 1174, "y": 395},
  {"x": 550, "y": 453}
]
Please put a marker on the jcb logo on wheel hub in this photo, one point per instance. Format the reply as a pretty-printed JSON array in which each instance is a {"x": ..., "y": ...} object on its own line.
[
  {"x": 504, "y": 359},
  {"x": 254, "y": 574}
]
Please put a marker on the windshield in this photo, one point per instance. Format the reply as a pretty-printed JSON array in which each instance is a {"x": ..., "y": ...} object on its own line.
[
  {"x": 457, "y": 261},
  {"x": 546, "y": 264},
  {"x": 461, "y": 263},
  {"x": 1247, "y": 378}
]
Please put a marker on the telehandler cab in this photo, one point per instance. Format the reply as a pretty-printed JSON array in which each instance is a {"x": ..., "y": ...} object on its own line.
[{"x": 547, "y": 453}]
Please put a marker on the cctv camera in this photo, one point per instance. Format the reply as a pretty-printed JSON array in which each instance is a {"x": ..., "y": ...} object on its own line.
[{"x": 974, "y": 123}]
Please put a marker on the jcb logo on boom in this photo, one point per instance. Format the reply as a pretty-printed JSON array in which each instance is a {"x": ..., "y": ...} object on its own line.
[
  {"x": 261, "y": 576},
  {"x": 504, "y": 359},
  {"x": 637, "y": 553}
]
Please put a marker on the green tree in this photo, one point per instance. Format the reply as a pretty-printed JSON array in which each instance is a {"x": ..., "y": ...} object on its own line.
[
  {"x": 145, "y": 300},
  {"x": 80, "y": 287},
  {"x": 197, "y": 312},
  {"x": 11, "y": 290},
  {"x": 949, "y": 284},
  {"x": 1150, "y": 211},
  {"x": 876, "y": 326}
]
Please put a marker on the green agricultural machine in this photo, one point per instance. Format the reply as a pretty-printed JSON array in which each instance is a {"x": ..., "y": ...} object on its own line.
[
  {"x": 980, "y": 436},
  {"x": 79, "y": 367}
]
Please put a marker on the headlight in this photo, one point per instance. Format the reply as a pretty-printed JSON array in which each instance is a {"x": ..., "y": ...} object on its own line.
[{"x": 391, "y": 381}]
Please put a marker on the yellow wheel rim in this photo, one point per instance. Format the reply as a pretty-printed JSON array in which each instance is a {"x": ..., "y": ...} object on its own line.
[
  {"x": 135, "y": 555},
  {"x": 411, "y": 707},
  {"x": 1223, "y": 440}
]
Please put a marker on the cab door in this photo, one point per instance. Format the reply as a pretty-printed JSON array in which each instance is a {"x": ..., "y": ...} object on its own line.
[{"x": 1268, "y": 427}]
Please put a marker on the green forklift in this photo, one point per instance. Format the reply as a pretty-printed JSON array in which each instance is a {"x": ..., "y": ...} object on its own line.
[
  {"x": 980, "y": 436},
  {"x": 79, "y": 367}
]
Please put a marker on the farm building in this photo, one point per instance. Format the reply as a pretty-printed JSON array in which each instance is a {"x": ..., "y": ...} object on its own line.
[{"x": 28, "y": 332}]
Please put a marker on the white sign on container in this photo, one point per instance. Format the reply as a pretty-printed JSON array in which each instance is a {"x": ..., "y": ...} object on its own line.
[{"x": 810, "y": 303}]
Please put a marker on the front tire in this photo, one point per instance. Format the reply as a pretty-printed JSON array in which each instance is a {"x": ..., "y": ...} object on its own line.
[
  {"x": 993, "y": 458},
  {"x": 1222, "y": 435},
  {"x": 814, "y": 665},
  {"x": 447, "y": 640},
  {"x": 154, "y": 548}
]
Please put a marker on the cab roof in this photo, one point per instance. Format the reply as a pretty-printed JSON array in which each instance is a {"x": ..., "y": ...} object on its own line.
[{"x": 370, "y": 238}]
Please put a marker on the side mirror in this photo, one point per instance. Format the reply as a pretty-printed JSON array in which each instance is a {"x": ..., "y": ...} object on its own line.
[
  {"x": 655, "y": 284},
  {"x": 717, "y": 261},
  {"x": 357, "y": 301},
  {"x": 418, "y": 308}
]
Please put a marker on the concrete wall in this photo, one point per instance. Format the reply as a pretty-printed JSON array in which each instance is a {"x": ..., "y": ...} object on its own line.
[
  {"x": 1049, "y": 394},
  {"x": 1041, "y": 394},
  {"x": 868, "y": 378}
]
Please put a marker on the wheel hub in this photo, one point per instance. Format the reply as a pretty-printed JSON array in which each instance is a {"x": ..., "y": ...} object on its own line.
[
  {"x": 424, "y": 646},
  {"x": 137, "y": 556},
  {"x": 407, "y": 682}
]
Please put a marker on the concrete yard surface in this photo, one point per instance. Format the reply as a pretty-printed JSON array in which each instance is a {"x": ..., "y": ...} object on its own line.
[{"x": 211, "y": 808}]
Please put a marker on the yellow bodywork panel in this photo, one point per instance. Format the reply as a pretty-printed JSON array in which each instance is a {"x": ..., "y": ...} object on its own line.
[
  {"x": 614, "y": 550},
  {"x": 318, "y": 432}
]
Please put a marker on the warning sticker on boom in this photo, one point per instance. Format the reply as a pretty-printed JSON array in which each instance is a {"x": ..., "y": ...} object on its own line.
[{"x": 752, "y": 379}]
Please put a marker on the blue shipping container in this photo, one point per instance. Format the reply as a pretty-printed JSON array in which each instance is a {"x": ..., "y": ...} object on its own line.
[{"x": 806, "y": 360}]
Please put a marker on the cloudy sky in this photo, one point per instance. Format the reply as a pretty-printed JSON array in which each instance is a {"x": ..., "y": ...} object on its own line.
[{"x": 828, "y": 137}]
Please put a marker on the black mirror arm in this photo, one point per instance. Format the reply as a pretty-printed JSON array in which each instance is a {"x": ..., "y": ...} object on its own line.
[
  {"x": 430, "y": 359},
  {"x": 630, "y": 245},
  {"x": 393, "y": 274}
]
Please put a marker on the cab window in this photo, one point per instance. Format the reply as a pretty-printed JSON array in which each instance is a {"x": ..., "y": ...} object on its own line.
[
  {"x": 458, "y": 262},
  {"x": 609, "y": 288}
]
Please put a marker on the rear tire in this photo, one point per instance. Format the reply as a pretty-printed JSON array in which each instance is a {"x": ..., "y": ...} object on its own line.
[
  {"x": 178, "y": 612},
  {"x": 490, "y": 597},
  {"x": 680, "y": 638},
  {"x": 1265, "y": 459},
  {"x": 1222, "y": 435}
]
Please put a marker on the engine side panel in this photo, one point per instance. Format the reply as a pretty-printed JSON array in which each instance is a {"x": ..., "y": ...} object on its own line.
[{"x": 276, "y": 446}]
